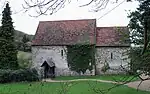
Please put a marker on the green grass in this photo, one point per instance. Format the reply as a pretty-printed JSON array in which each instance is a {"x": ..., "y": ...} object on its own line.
[
  {"x": 102, "y": 77},
  {"x": 73, "y": 88}
]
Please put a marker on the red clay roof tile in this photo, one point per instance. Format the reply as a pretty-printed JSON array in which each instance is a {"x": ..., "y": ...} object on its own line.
[
  {"x": 71, "y": 32},
  {"x": 68, "y": 32},
  {"x": 112, "y": 36}
]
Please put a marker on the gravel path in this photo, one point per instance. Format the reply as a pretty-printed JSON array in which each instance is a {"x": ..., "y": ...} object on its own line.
[{"x": 145, "y": 85}]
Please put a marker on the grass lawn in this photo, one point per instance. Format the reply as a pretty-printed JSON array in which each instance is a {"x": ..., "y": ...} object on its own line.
[
  {"x": 81, "y": 87},
  {"x": 102, "y": 77}
]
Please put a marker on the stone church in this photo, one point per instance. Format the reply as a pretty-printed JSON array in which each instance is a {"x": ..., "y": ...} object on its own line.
[{"x": 52, "y": 38}]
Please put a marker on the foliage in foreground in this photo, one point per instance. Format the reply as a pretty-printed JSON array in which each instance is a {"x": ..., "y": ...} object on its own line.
[
  {"x": 82, "y": 87},
  {"x": 18, "y": 75}
]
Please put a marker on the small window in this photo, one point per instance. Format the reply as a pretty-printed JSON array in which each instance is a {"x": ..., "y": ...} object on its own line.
[
  {"x": 62, "y": 53},
  {"x": 111, "y": 55}
]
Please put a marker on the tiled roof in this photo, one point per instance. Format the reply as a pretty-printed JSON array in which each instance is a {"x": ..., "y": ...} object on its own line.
[
  {"x": 112, "y": 36},
  {"x": 71, "y": 32},
  {"x": 67, "y": 32}
]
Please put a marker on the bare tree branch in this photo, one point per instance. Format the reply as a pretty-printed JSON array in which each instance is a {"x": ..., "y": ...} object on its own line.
[
  {"x": 48, "y": 7},
  {"x": 44, "y": 7},
  {"x": 2, "y": 4},
  {"x": 139, "y": 85},
  {"x": 111, "y": 9},
  {"x": 88, "y": 3}
]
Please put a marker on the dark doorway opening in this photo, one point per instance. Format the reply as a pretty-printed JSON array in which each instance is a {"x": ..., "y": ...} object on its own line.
[{"x": 49, "y": 69}]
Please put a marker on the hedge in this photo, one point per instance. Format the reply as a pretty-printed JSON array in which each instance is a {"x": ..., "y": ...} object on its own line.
[{"x": 18, "y": 75}]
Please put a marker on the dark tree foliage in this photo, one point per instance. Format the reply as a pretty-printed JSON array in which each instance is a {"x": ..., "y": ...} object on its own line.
[
  {"x": 140, "y": 23},
  {"x": 140, "y": 36},
  {"x": 81, "y": 57},
  {"x": 8, "y": 52},
  {"x": 25, "y": 39},
  {"x": 25, "y": 46},
  {"x": 19, "y": 75},
  {"x": 140, "y": 62}
]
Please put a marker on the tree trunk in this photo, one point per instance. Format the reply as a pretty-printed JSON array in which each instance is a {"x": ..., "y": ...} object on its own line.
[{"x": 145, "y": 37}]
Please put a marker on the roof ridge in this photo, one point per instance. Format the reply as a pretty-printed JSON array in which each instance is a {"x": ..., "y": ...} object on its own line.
[
  {"x": 110, "y": 26},
  {"x": 68, "y": 20}
]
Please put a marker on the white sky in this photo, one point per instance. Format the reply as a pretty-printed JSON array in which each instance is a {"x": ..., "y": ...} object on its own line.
[{"x": 118, "y": 17}]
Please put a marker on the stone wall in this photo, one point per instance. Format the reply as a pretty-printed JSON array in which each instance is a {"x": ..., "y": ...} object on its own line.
[
  {"x": 57, "y": 53},
  {"x": 59, "y": 56},
  {"x": 115, "y": 58}
]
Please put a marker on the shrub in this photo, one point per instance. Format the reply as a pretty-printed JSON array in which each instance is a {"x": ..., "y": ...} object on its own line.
[
  {"x": 24, "y": 59},
  {"x": 5, "y": 76},
  {"x": 81, "y": 57},
  {"x": 18, "y": 75},
  {"x": 105, "y": 67}
]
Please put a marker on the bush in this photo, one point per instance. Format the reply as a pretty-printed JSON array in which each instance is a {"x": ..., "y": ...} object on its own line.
[
  {"x": 80, "y": 57},
  {"x": 5, "y": 76},
  {"x": 18, "y": 75},
  {"x": 24, "y": 59},
  {"x": 105, "y": 67}
]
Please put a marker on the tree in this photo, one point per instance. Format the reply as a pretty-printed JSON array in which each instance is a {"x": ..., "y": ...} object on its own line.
[
  {"x": 8, "y": 52},
  {"x": 140, "y": 36},
  {"x": 48, "y": 7},
  {"x": 25, "y": 39},
  {"x": 81, "y": 57},
  {"x": 26, "y": 47}
]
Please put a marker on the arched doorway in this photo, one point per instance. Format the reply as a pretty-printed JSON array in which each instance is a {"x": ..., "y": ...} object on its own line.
[{"x": 49, "y": 69}]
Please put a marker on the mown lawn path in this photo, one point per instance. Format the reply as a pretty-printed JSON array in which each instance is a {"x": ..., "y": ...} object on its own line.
[
  {"x": 105, "y": 81},
  {"x": 145, "y": 85}
]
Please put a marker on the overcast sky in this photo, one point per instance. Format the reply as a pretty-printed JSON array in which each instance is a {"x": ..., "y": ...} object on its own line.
[{"x": 118, "y": 17}]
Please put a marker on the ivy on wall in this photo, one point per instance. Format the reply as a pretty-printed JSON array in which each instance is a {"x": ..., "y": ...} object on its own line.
[{"x": 81, "y": 57}]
